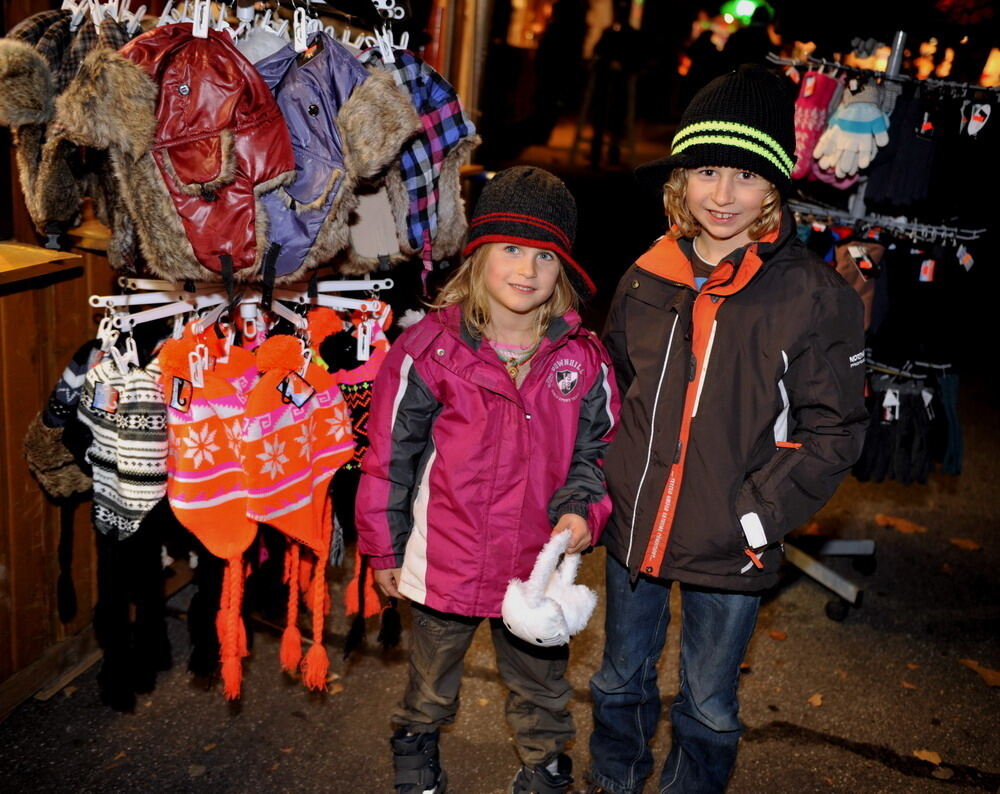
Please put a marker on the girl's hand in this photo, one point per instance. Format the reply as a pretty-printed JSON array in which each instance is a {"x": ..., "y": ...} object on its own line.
[
  {"x": 580, "y": 539},
  {"x": 386, "y": 580}
]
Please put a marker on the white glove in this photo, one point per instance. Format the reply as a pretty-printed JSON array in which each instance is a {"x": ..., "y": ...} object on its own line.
[{"x": 853, "y": 135}]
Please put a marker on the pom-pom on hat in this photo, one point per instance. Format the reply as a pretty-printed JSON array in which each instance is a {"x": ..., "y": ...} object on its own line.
[
  {"x": 525, "y": 205},
  {"x": 744, "y": 119}
]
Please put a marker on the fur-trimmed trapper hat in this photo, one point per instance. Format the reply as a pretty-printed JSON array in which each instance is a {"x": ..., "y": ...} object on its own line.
[
  {"x": 346, "y": 126},
  {"x": 38, "y": 59},
  {"x": 195, "y": 139},
  {"x": 424, "y": 186}
]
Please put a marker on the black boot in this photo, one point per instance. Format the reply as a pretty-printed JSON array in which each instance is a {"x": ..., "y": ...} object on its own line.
[
  {"x": 418, "y": 767},
  {"x": 551, "y": 778}
]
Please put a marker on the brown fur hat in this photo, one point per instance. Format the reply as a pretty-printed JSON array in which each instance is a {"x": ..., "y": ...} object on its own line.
[
  {"x": 26, "y": 87},
  {"x": 51, "y": 463}
]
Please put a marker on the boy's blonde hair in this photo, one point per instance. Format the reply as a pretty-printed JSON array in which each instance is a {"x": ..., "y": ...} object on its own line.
[
  {"x": 678, "y": 214},
  {"x": 467, "y": 289}
]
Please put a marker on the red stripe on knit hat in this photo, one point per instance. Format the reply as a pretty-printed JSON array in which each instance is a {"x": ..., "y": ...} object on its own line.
[
  {"x": 519, "y": 218},
  {"x": 564, "y": 255}
]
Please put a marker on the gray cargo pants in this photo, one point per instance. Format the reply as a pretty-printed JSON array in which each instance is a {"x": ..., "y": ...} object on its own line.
[{"x": 535, "y": 677}]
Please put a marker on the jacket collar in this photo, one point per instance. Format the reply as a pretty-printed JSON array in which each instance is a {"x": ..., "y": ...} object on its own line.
[{"x": 671, "y": 259}]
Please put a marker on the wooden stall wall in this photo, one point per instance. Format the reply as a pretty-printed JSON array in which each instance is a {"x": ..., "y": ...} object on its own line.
[{"x": 43, "y": 320}]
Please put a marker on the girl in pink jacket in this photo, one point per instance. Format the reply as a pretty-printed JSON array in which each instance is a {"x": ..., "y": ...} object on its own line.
[{"x": 489, "y": 422}]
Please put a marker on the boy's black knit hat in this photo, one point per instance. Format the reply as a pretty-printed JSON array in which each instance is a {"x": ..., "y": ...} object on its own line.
[
  {"x": 744, "y": 119},
  {"x": 525, "y": 205}
]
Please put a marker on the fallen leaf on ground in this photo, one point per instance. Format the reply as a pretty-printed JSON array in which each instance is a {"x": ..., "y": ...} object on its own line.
[
  {"x": 778, "y": 635},
  {"x": 928, "y": 755},
  {"x": 287, "y": 749},
  {"x": 966, "y": 543},
  {"x": 899, "y": 524},
  {"x": 484, "y": 701},
  {"x": 913, "y": 666},
  {"x": 842, "y": 674},
  {"x": 274, "y": 767},
  {"x": 335, "y": 689},
  {"x": 908, "y": 685},
  {"x": 943, "y": 773},
  {"x": 815, "y": 700},
  {"x": 333, "y": 677},
  {"x": 120, "y": 756},
  {"x": 946, "y": 568},
  {"x": 828, "y": 781},
  {"x": 209, "y": 747},
  {"x": 196, "y": 770},
  {"x": 991, "y": 677}
]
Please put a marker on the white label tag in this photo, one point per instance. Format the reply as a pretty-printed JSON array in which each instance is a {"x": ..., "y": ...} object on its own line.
[
  {"x": 105, "y": 397},
  {"x": 364, "y": 340},
  {"x": 890, "y": 406}
]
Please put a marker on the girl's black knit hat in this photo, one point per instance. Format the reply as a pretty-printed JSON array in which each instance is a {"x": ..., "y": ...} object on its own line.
[
  {"x": 529, "y": 206},
  {"x": 744, "y": 119}
]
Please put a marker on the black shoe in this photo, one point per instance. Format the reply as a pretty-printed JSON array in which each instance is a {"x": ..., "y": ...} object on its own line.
[
  {"x": 418, "y": 767},
  {"x": 544, "y": 779}
]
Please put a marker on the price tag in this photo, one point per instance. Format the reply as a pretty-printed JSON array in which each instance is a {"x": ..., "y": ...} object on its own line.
[
  {"x": 105, "y": 397},
  {"x": 296, "y": 390},
  {"x": 364, "y": 339},
  {"x": 890, "y": 406},
  {"x": 927, "y": 269},
  {"x": 180, "y": 394}
]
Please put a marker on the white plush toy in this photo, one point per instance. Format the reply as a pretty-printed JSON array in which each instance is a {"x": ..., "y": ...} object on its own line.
[{"x": 548, "y": 609}]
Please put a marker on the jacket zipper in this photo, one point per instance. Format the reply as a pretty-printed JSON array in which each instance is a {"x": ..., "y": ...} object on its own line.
[{"x": 649, "y": 447}]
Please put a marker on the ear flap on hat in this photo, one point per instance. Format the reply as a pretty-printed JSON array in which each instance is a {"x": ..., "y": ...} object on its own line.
[
  {"x": 374, "y": 123},
  {"x": 26, "y": 87},
  {"x": 110, "y": 103}
]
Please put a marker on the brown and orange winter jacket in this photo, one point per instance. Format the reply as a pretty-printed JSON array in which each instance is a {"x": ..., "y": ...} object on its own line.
[{"x": 742, "y": 408}]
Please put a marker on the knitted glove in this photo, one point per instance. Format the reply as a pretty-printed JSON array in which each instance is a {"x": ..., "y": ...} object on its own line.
[
  {"x": 856, "y": 130},
  {"x": 812, "y": 109}
]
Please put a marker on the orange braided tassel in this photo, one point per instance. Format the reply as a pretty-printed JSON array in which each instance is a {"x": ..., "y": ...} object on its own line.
[
  {"x": 291, "y": 639},
  {"x": 317, "y": 662},
  {"x": 353, "y": 593},
  {"x": 232, "y": 621}
]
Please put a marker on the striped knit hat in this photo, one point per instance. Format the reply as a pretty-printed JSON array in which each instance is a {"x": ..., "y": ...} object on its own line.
[
  {"x": 525, "y": 205},
  {"x": 744, "y": 119}
]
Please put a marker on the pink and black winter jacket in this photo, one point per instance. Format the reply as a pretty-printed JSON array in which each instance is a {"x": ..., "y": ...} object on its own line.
[{"x": 466, "y": 473}]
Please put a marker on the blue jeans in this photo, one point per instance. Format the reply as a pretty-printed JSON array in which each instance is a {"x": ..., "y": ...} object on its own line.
[{"x": 715, "y": 629}]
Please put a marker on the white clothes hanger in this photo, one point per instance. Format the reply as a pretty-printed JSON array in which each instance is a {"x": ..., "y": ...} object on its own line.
[
  {"x": 79, "y": 11},
  {"x": 266, "y": 23},
  {"x": 202, "y": 18},
  {"x": 132, "y": 20},
  {"x": 300, "y": 31}
]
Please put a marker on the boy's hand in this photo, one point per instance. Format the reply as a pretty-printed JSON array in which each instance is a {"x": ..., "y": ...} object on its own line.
[
  {"x": 580, "y": 539},
  {"x": 387, "y": 580}
]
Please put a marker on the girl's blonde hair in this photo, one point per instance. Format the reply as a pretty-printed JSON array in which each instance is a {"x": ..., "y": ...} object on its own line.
[
  {"x": 467, "y": 289},
  {"x": 678, "y": 214}
]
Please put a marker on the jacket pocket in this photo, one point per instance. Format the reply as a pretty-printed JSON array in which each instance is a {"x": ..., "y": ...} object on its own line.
[{"x": 758, "y": 503}]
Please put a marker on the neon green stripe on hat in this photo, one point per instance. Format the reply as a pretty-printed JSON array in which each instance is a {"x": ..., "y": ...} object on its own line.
[
  {"x": 742, "y": 129},
  {"x": 740, "y": 143}
]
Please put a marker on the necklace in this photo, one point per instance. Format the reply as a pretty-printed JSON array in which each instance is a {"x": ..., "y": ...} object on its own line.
[
  {"x": 697, "y": 253},
  {"x": 514, "y": 361}
]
